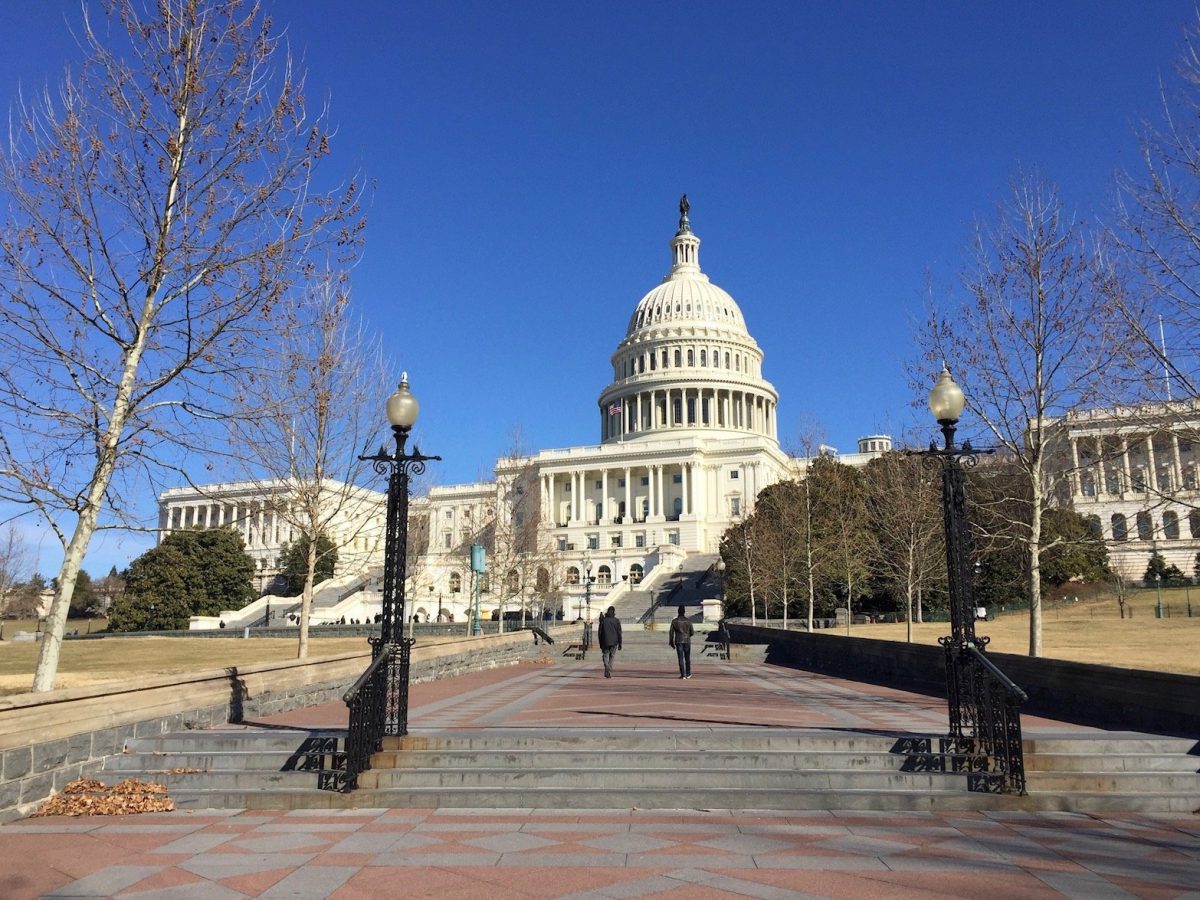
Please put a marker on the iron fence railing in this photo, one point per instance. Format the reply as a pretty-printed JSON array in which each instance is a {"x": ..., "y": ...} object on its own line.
[
  {"x": 985, "y": 721},
  {"x": 367, "y": 700}
]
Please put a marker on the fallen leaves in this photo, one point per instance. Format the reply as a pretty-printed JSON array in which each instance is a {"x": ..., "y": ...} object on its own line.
[{"x": 89, "y": 797}]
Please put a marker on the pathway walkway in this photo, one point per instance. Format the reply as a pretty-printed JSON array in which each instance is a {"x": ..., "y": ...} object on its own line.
[
  {"x": 651, "y": 695},
  {"x": 374, "y": 853}
]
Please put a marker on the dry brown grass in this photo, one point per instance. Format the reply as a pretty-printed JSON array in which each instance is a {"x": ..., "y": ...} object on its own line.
[
  {"x": 86, "y": 663},
  {"x": 1090, "y": 631}
]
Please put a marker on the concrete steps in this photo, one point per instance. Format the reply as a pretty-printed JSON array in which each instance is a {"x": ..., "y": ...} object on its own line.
[{"x": 716, "y": 769}]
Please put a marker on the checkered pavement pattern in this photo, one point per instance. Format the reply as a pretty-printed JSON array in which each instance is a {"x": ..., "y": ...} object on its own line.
[{"x": 497, "y": 854}]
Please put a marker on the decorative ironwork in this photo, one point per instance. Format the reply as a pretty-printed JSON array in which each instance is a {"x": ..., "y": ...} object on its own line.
[
  {"x": 984, "y": 704},
  {"x": 378, "y": 701},
  {"x": 368, "y": 702}
]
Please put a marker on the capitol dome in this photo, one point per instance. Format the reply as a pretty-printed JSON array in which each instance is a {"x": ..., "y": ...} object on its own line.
[{"x": 687, "y": 360}]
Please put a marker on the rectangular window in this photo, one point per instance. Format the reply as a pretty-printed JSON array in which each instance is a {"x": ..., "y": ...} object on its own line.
[
  {"x": 562, "y": 543},
  {"x": 620, "y": 482},
  {"x": 593, "y": 542},
  {"x": 616, "y": 540},
  {"x": 645, "y": 481},
  {"x": 598, "y": 485},
  {"x": 677, "y": 479},
  {"x": 735, "y": 474},
  {"x": 735, "y": 506},
  {"x": 639, "y": 540},
  {"x": 673, "y": 537},
  {"x": 447, "y": 540}
]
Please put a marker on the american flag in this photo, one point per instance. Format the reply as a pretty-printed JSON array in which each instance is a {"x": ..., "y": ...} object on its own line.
[{"x": 614, "y": 409}]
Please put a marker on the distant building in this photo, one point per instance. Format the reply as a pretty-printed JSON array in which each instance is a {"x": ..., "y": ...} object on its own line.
[
  {"x": 1131, "y": 472},
  {"x": 256, "y": 511}
]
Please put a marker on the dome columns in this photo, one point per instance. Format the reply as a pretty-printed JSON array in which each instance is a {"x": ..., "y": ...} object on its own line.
[{"x": 665, "y": 409}]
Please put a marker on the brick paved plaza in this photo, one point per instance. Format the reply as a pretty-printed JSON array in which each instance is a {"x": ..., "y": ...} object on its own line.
[{"x": 616, "y": 852}]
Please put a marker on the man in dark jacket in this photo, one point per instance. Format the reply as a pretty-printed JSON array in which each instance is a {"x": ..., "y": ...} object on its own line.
[
  {"x": 681, "y": 639},
  {"x": 610, "y": 638}
]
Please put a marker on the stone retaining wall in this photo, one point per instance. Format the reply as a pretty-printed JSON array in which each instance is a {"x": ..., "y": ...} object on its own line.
[
  {"x": 50, "y": 739},
  {"x": 1099, "y": 696}
]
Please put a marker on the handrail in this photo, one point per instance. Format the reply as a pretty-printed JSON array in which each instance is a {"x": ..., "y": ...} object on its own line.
[
  {"x": 542, "y": 634},
  {"x": 352, "y": 693},
  {"x": 1009, "y": 685}
]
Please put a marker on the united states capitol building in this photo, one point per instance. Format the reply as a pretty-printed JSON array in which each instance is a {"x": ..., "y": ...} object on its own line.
[{"x": 688, "y": 436}]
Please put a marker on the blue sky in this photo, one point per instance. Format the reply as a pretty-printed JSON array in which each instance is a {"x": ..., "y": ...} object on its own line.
[{"x": 527, "y": 160}]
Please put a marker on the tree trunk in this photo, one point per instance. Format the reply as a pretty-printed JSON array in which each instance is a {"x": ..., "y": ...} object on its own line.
[
  {"x": 908, "y": 595},
  {"x": 85, "y": 526},
  {"x": 1035, "y": 567},
  {"x": 306, "y": 598}
]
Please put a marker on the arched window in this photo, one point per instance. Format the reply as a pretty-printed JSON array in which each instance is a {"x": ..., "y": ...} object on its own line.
[
  {"x": 1120, "y": 530},
  {"x": 572, "y": 575},
  {"x": 737, "y": 363},
  {"x": 664, "y": 359},
  {"x": 704, "y": 357},
  {"x": 1094, "y": 529},
  {"x": 653, "y": 361},
  {"x": 1145, "y": 527},
  {"x": 543, "y": 581},
  {"x": 1171, "y": 525},
  {"x": 641, "y": 365},
  {"x": 455, "y": 583},
  {"x": 1194, "y": 523},
  {"x": 727, "y": 359},
  {"x": 678, "y": 359},
  {"x": 678, "y": 506},
  {"x": 691, "y": 357},
  {"x": 604, "y": 575},
  {"x": 635, "y": 573}
]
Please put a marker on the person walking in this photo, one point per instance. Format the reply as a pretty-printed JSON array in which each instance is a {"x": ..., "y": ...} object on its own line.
[
  {"x": 610, "y": 638},
  {"x": 681, "y": 639}
]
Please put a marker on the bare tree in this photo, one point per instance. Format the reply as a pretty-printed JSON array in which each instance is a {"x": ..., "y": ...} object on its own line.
[
  {"x": 158, "y": 207},
  {"x": 521, "y": 552},
  {"x": 842, "y": 525},
  {"x": 804, "y": 524},
  {"x": 1159, "y": 230},
  {"x": 305, "y": 416},
  {"x": 1031, "y": 339},
  {"x": 906, "y": 517},
  {"x": 14, "y": 564}
]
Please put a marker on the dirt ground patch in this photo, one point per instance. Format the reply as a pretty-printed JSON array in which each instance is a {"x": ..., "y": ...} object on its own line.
[{"x": 1090, "y": 631}]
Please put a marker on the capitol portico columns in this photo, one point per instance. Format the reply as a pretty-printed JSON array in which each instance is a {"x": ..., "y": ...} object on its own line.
[{"x": 1128, "y": 484}]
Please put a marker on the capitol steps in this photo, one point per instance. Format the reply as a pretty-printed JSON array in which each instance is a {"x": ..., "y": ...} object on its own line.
[{"x": 658, "y": 770}]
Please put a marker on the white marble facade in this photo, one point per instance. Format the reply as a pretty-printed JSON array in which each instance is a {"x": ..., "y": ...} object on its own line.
[
  {"x": 1132, "y": 473},
  {"x": 688, "y": 436},
  {"x": 687, "y": 439},
  {"x": 256, "y": 510}
]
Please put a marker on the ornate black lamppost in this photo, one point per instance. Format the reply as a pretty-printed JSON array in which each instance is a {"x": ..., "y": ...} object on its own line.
[
  {"x": 402, "y": 409},
  {"x": 588, "y": 579},
  {"x": 985, "y": 723}
]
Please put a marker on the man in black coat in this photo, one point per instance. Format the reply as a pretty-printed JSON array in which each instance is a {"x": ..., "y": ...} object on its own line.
[
  {"x": 681, "y": 639},
  {"x": 610, "y": 638}
]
